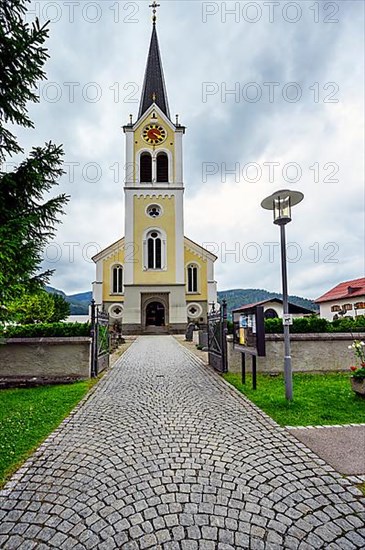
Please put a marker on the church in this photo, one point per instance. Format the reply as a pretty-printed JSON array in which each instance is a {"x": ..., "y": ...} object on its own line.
[{"x": 154, "y": 279}]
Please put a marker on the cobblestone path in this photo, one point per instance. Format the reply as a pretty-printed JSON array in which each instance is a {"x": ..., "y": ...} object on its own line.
[{"x": 164, "y": 455}]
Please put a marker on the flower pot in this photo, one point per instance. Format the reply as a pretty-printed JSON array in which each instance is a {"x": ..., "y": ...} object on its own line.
[{"x": 358, "y": 385}]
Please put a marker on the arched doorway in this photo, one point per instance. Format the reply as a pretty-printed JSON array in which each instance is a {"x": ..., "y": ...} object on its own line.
[{"x": 155, "y": 315}]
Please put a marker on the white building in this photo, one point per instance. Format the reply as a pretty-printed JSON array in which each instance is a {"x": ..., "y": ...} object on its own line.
[
  {"x": 273, "y": 308},
  {"x": 345, "y": 299}
]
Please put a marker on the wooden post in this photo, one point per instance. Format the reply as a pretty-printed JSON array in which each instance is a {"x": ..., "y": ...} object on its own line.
[
  {"x": 243, "y": 368},
  {"x": 254, "y": 373}
]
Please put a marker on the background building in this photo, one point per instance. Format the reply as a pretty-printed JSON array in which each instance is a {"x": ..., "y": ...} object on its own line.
[
  {"x": 345, "y": 299},
  {"x": 273, "y": 309}
]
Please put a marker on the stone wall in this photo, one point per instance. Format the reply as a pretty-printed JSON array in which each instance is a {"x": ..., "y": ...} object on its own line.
[
  {"x": 44, "y": 360},
  {"x": 310, "y": 353}
]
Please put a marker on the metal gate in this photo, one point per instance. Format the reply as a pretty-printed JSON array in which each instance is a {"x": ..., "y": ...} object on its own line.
[
  {"x": 217, "y": 338},
  {"x": 100, "y": 348}
]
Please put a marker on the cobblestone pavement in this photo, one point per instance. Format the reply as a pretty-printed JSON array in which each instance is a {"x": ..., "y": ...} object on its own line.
[{"x": 165, "y": 455}]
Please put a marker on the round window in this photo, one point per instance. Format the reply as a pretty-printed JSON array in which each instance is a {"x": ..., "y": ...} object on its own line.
[
  {"x": 194, "y": 311},
  {"x": 154, "y": 211},
  {"x": 116, "y": 311}
]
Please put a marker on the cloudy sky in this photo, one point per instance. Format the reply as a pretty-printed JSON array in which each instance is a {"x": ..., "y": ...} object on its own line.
[{"x": 272, "y": 97}]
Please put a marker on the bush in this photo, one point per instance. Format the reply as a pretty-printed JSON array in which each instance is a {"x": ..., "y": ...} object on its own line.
[
  {"x": 46, "y": 330},
  {"x": 302, "y": 325},
  {"x": 33, "y": 308},
  {"x": 274, "y": 326},
  {"x": 359, "y": 323},
  {"x": 348, "y": 324},
  {"x": 62, "y": 309},
  {"x": 40, "y": 307},
  {"x": 310, "y": 324}
]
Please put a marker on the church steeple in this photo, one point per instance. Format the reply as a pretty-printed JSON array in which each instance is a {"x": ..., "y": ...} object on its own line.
[
  {"x": 154, "y": 88},
  {"x": 167, "y": 279}
]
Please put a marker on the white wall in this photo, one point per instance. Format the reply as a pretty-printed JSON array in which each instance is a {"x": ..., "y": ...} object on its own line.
[
  {"x": 279, "y": 309},
  {"x": 326, "y": 313}
]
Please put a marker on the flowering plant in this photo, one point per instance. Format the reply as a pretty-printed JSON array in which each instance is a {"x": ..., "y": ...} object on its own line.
[{"x": 358, "y": 348}]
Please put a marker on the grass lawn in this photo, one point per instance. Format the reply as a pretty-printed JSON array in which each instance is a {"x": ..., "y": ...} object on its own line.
[
  {"x": 28, "y": 416},
  {"x": 318, "y": 398}
]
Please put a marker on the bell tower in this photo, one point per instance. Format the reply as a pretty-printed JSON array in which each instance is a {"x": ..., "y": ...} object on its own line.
[
  {"x": 154, "y": 190},
  {"x": 154, "y": 279}
]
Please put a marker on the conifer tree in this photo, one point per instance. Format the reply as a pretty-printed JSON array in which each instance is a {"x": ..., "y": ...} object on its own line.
[{"x": 27, "y": 216}]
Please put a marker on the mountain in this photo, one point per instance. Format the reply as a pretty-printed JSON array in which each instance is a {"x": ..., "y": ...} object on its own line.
[
  {"x": 82, "y": 297},
  {"x": 241, "y": 297},
  {"x": 79, "y": 303},
  {"x": 52, "y": 290}
]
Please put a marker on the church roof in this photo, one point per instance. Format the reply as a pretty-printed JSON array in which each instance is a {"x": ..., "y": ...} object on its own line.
[
  {"x": 120, "y": 244},
  {"x": 108, "y": 250},
  {"x": 154, "y": 88},
  {"x": 200, "y": 249}
]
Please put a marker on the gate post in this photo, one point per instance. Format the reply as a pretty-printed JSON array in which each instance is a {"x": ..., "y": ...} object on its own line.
[
  {"x": 224, "y": 337},
  {"x": 97, "y": 329},
  {"x": 93, "y": 340}
]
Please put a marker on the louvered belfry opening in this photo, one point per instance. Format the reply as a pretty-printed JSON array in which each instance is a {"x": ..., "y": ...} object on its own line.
[
  {"x": 146, "y": 168},
  {"x": 162, "y": 168}
]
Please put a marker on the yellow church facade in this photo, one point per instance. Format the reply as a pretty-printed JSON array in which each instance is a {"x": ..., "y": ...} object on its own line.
[{"x": 154, "y": 279}]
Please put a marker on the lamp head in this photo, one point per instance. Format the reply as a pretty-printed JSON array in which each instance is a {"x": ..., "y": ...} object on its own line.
[{"x": 281, "y": 203}]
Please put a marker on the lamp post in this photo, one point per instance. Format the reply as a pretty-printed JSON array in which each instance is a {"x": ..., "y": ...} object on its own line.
[{"x": 281, "y": 203}]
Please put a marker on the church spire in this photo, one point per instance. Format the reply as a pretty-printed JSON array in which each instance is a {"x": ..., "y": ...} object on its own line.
[{"x": 154, "y": 89}]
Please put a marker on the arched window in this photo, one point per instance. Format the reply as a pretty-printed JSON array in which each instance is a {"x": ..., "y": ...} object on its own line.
[
  {"x": 154, "y": 250},
  {"x": 145, "y": 175},
  {"x": 162, "y": 168},
  {"x": 193, "y": 278},
  {"x": 118, "y": 279},
  {"x": 271, "y": 314}
]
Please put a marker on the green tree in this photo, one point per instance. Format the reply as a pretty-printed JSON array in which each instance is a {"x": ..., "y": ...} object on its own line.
[
  {"x": 27, "y": 220},
  {"x": 61, "y": 309},
  {"x": 33, "y": 308}
]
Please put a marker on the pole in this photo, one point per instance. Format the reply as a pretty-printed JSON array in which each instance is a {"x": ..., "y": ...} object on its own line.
[
  {"x": 243, "y": 368},
  {"x": 93, "y": 337},
  {"x": 254, "y": 373},
  {"x": 288, "y": 377},
  {"x": 224, "y": 337}
]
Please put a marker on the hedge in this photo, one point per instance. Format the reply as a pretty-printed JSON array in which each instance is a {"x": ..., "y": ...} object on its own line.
[
  {"x": 316, "y": 324},
  {"x": 46, "y": 330}
]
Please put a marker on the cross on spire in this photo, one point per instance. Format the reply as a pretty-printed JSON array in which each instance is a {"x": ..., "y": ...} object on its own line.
[{"x": 154, "y": 7}]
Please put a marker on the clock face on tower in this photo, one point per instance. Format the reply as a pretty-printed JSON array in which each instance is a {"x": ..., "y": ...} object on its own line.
[{"x": 154, "y": 134}]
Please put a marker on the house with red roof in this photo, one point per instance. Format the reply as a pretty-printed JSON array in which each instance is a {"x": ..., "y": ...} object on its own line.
[{"x": 345, "y": 299}]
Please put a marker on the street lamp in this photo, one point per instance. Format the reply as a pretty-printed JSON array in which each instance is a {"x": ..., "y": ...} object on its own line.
[{"x": 281, "y": 203}]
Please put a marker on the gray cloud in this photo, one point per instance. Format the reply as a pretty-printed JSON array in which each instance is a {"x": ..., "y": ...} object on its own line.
[{"x": 112, "y": 53}]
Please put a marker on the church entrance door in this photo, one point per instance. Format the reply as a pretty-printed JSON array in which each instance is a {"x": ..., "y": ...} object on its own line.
[{"x": 155, "y": 315}]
